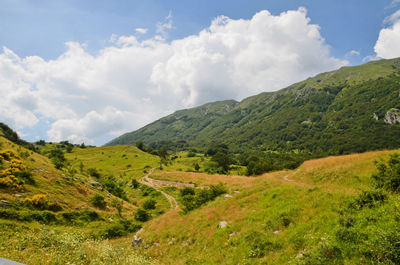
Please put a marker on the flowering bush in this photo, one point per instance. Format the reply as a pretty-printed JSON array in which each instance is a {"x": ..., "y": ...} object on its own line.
[
  {"x": 12, "y": 175},
  {"x": 37, "y": 201}
]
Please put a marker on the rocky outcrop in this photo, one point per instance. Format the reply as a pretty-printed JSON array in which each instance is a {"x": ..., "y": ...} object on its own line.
[{"x": 392, "y": 116}]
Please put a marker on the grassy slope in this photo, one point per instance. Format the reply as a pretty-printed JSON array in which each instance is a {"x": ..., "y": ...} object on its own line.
[
  {"x": 123, "y": 162},
  {"x": 127, "y": 161},
  {"x": 36, "y": 243},
  {"x": 48, "y": 181},
  {"x": 292, "y": 209}
]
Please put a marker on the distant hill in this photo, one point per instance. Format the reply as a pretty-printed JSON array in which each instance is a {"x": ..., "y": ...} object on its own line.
[{"x": 338, "y": 112}]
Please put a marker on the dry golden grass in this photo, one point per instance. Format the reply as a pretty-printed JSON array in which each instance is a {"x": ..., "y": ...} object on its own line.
[{"x": 203, "y": 179}]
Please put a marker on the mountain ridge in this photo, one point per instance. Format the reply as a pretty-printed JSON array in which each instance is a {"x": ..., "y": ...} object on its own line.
[{"x": 338, "y": 103}]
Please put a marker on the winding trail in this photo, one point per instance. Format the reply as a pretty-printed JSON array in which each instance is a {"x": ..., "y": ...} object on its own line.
[{"x": 146, "y": 180}]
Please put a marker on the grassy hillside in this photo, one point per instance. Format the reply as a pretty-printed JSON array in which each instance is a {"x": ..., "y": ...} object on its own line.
[
  {"x": 332, "y": 113},
  {"x": 286, "y": 217},
  {"x": 48, "y": 215},
  {"x": 126, "y": 161},
  {"x": 327, "y": 211}
]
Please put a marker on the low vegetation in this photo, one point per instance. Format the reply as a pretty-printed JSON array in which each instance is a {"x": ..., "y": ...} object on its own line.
[{"x": 192, "y": 199}]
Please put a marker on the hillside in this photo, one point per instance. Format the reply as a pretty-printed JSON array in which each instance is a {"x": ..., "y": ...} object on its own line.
[
  {"x": 316, "y": 214},
  {"x": 63, "y": 215},
  {"x": 352, "y": 109},
  {"x": 327, "y": 211}
]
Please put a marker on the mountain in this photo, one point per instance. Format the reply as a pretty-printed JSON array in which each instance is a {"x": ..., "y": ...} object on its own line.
[{"x": 338, "y": 112}]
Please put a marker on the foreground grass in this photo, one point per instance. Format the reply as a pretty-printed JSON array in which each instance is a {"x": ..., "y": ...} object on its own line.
[{"x": 35, "y": 244}]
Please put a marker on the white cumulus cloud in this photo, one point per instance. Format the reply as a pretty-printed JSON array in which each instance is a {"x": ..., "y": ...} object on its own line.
[
  {"x": 388, "y": 43},
  {"x": 89, "y": 97}
]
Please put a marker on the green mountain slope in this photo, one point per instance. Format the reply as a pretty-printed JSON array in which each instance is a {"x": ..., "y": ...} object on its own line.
[{"x": 337, "y": 112}]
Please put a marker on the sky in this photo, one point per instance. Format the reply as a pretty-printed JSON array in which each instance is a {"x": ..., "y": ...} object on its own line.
[{"x": 89, "y": 71}]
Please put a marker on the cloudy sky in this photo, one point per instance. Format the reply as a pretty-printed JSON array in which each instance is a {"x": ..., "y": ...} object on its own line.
[{"x": 88, "y": 71}]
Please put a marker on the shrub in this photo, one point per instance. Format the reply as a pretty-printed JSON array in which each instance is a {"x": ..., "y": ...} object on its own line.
[
  {"x": 122, "y": 228},
  {"x": 83, "y": 216},
  {"x": 40, "y": 216},
  {"x": 142, "y": 215},
  {"x": 9, "y": 214},
  {"x": 187, "y": 191},
  {"x": 113, "y": 231},
  {"x": 10, "y": 181},
  {"x": 192, "y": 200},
  {"x": 93, "y": 172},
  {"x": 368, "y": 199},
  {"x": 54, "y": 207},
  {"x": 38, "y": 201},
  {"x": 112, "y": 186},
  {"x": 146, "y": 191},
  {"x": 27, "y": 176},
  {"x": 388, "y": 176},
  {"x": 57, "y": 157},
  {"x": 15, "y": 173},
  {"x": 149, "y": 204},
  {"x": 135, "y": 184},
  {"x": 98, "y": 201},
  {"x": 117, "y": 204}
]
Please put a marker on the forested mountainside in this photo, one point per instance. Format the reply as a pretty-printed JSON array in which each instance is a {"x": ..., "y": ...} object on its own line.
[{"x": 353, "y": 109}]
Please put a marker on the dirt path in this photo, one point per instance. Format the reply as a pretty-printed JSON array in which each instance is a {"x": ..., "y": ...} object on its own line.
[{"x": 146, "y": 180}]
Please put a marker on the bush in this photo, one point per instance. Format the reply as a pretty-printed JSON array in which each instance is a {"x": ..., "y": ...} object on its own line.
[
  {"x": 93, "y": 173},
  {"x": 146, "y": 191},
  {"x": 135, "y": 184},
  {"x": 192, "y": 200},
  {"x": 117, "y": 204},
  {"x": 54, "y": 207},
  {"x": 149, "y": 204},
  {"x": 40, "y": 216},
  {"x": 368, "y": 199},
  {"x": 388, "y": 176},
  {"x": 27, "y": 176},
  {"x": 98, "y": 201},
  {"x": 38, "y": 201},
  {"x": 83, "y": 216},
  {"x": 112, "y": 186},
  {"x": 187, "y": 191},
  {"x": 122, "y": 228},
  {"x": 142, "y": 215},
  {"x": 57, "y": 157}
]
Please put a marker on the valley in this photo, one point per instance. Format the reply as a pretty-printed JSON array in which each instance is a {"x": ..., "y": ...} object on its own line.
[{"x": 281, "y": 217}]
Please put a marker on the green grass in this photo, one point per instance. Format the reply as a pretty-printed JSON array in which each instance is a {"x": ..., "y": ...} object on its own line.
[
  {"x": 60, "y": 245},
  {"x": 126, "y": 161},
  {"x": 77, "y": 232},
  {"x": 278, "y": 221}
]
